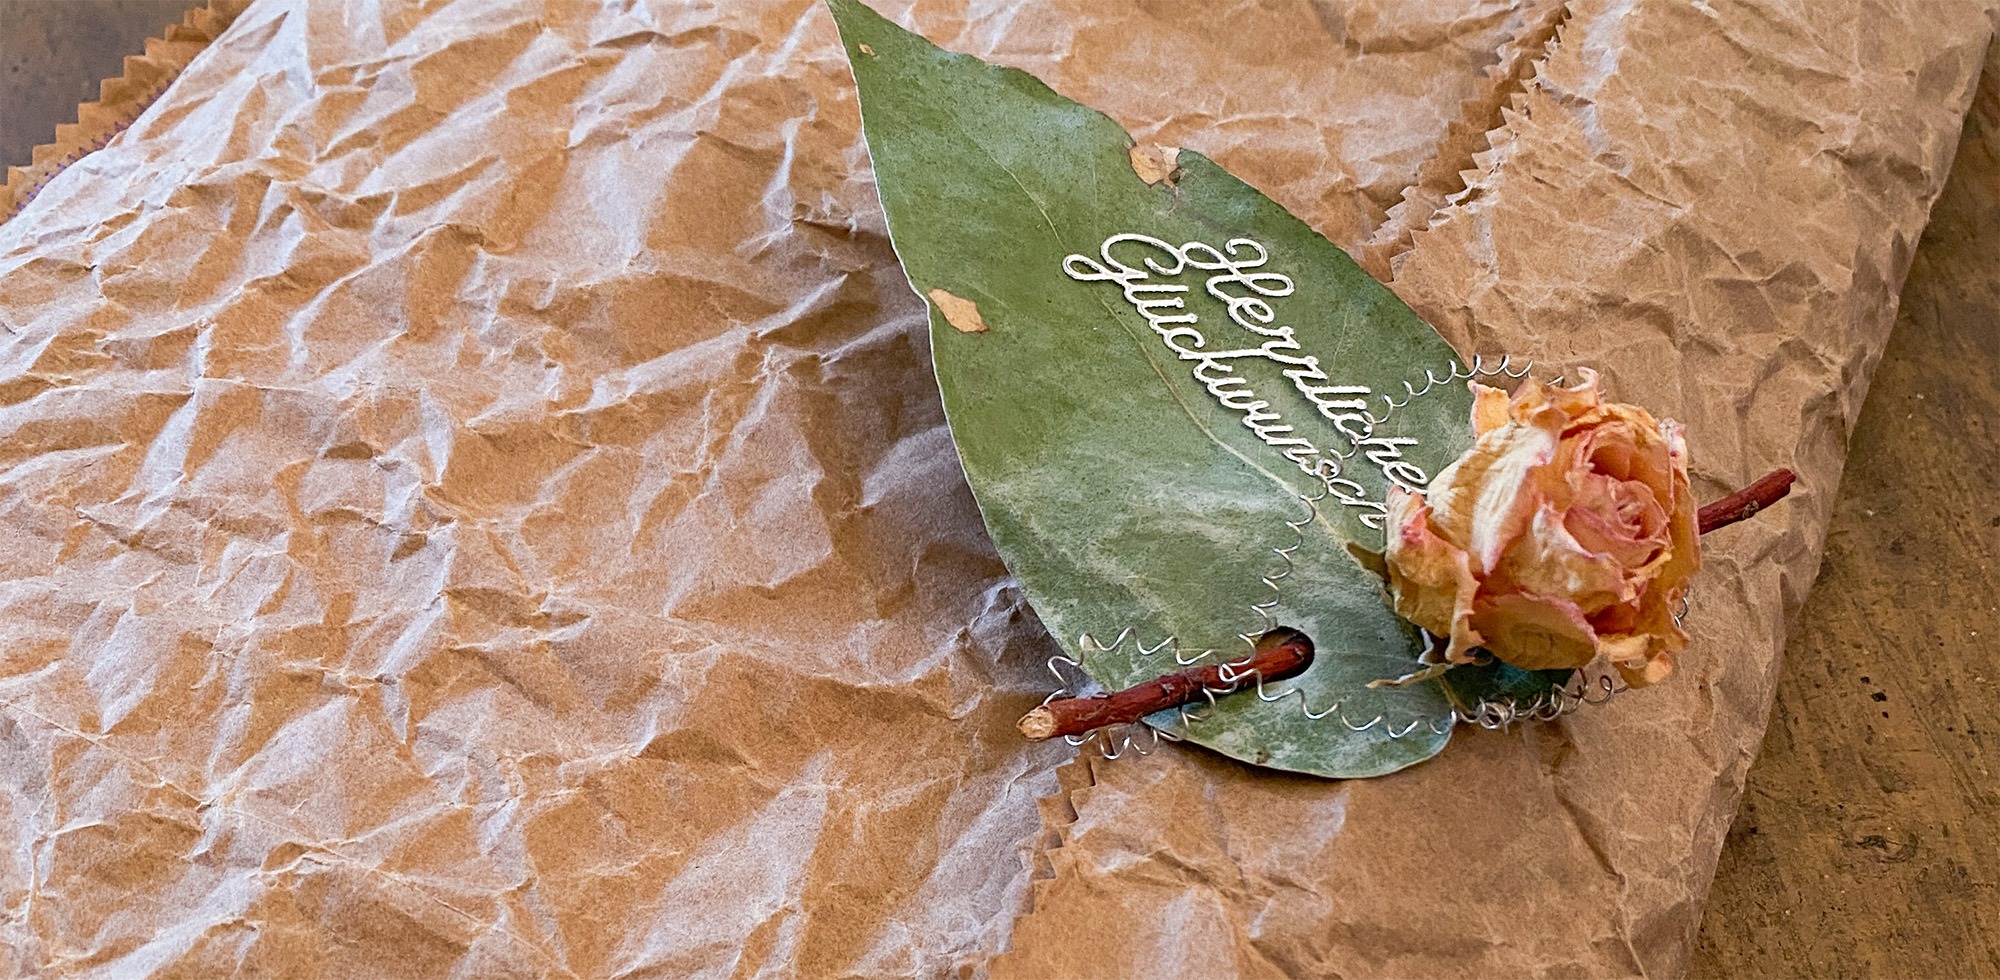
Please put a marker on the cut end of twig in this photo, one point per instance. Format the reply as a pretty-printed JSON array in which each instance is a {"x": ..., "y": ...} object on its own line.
[{"x": 1038, "y": 724}]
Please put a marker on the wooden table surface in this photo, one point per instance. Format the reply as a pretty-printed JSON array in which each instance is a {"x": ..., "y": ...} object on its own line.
[
  {"x": 53, "y": 54},
  {"x": 1868, "y": 840}
]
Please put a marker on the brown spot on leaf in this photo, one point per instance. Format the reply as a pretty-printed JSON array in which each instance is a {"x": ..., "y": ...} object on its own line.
[
  {"x": 1155, "y": 163},
  {"x": 962, "y": 314}
]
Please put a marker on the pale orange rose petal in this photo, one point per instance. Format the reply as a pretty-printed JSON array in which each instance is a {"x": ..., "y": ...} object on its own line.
[
  {"x": 1618, "y": 619},
  {"x": 1645, "y": 652},
  {"x": 1577, "y": 399},
  {"x": 1484, "y": 500},
  {"x": 1640, "y": 658},
  {"x": 1625, "y": 443},
  {"x": 1621, "y": 520},
  {"x": 1533, "y": 398},
  {"x": 1535, "y": 632},
  {"x": 1529, "y": 397},
  {"x": 1623, "y": 647},
  {"x": 1549, "y": 561},
  {"x": 1684, "y": 522},
  {"x": 1431, "y": 578},
  {"x": 1567, "y": 532},
  {"x": 1652, "y": 672},
  {"x": 1489, "y": 409},
  {"x": 1630, "y": 655}
]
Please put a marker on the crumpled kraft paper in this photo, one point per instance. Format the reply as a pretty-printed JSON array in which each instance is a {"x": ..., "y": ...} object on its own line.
[
  {"x": 1716, "y": 207},
  {"x": 475, "y": 499}
]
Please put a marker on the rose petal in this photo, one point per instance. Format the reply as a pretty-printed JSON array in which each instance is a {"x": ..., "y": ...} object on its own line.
[
  {"x": 1535, "y": 632},
  {"x": 1431, "y": 578},
  {"x": 1484, "y": 500},
  {"x": 1489, "y": 409},
  {"x": 1640, "y": 659},
  {"x": 1567, "y": 532},
  {"x": 1644, "y": 652},
  {"x": 1579, "y": 398},
  {"x": 1532, "y": 397},
  {"x": 1625, "y": 443},
  {"x": 1621, "y": 520},
  {"x": 1650, "y": 672},
  {"x": 1620, "y": 618},
  {"x": 1684, "y": 521},
  {"x": 1549, "y": 561}
]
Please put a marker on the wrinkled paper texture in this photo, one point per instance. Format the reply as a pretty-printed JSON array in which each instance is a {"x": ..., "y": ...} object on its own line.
[
  {"x": 476, "y": 498},
  {"x": 1716, "y": 208}
]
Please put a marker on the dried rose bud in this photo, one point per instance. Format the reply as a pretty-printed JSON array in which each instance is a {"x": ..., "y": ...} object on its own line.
[{"x": 1567, "y": 532}]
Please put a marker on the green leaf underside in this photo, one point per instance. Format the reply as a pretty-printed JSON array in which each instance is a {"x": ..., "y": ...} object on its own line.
[
  {"x": 1118, "y": 489},
  {"x": 1496, "y": 680}
]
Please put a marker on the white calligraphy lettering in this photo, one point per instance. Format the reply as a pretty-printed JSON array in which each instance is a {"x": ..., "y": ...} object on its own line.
[{"x": 1245, "y": 288}]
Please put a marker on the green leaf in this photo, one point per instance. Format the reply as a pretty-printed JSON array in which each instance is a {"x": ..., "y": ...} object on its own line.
[
  {"x": 1494, "y": 681},
  {"x": 1119, "y": 486}
]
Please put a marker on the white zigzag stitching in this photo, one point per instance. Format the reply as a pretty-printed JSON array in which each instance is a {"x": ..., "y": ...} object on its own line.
[{"x": 1494, "y": 714}]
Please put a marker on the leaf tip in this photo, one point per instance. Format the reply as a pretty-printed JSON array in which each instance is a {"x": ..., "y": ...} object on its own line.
[
  {"x": 961, "y": 313},
  {"x": 852, "y": 17}
]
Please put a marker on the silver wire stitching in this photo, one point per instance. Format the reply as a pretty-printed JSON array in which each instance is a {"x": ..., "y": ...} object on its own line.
[
  {"x": 1547, "y": 705},
  {"x": 1454, "y": 371},
  {"x": 1114, "y": 741}
]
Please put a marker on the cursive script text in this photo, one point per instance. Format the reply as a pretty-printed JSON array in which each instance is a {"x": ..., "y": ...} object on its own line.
[{"x": 1145, "y": 268}]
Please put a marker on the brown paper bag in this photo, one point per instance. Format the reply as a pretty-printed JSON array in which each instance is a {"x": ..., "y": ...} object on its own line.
[{"x": 1716, "y": 208}]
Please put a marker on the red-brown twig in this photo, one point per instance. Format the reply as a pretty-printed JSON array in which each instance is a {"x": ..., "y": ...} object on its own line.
[
  {"x": 1284, "y": 652},
  {"x": 1281, "y": 653},
  {"x": 1748, "y": 501}
]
